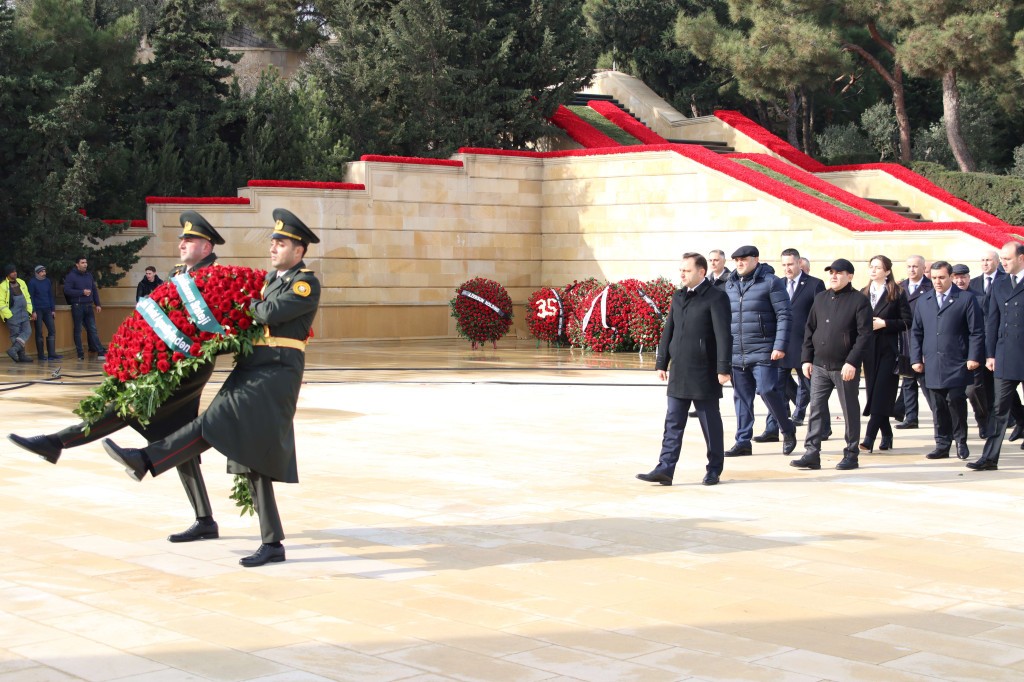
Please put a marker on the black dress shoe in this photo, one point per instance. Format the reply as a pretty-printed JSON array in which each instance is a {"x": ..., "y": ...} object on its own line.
[
  {"x": 983, "y": 465},
  {"x": 655, "y": 478},
  {"x": 266, "y": 554},
  {"x": 788, "y": 443},
  {"x": 1018, "y": 430},
  {"x": 938, "y": 454},
  {"x": 767, "y": 438},
  {"x": 798, "y": 422},
  {"x": 848, "y": 463},
  {"x": 134, "y": 461},
  {"x": 47, "y": 447},
  {"x": 962, "y": 452},
  {"x": 866, "y": 447},
  {"x": 710, "y": 479},
  {"x": 885, "y": 443},
  {"x": 906, "y": 425},
  {"x": 806, "y": 462},
  {"x": 200, "y": 530},
  {"x": 738, "y": 450}
]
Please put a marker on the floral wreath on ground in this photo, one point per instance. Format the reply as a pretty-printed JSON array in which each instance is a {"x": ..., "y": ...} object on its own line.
[
  {"x": 482, "y": 310},
  {"x": 600, "y": 316},
  {"x": 185, "y": 323}
]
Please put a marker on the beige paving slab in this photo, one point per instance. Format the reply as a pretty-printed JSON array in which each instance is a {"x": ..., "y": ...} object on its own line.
[
  {"x": 87, "y": 659},
  {"x": 473, "y": 515}
]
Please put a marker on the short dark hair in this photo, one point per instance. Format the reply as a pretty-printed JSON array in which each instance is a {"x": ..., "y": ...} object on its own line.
[
  {"x": 699, "y": 261},
  {"x": 943, "y": 265},
  {"x": 80, "y": 258},
  {"x": 150, "y": 268},
  {"x": 791, "y": 252}
]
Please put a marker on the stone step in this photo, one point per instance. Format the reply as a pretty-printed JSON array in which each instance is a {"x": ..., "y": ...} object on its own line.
[
  {"x": 897, "y": 207},
  {"x": 718, "y": 147}
]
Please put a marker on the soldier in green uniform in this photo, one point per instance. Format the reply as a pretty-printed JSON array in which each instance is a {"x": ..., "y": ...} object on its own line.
[
  {"x": 250, "y": 421},
  {"x": 195, "y": 245}
]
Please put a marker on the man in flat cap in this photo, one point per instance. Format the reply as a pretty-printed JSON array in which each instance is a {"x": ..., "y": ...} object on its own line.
[
  {"x": 761, "y": 319},
  {"x": 250, "y": 421},
  {"x": 838, "y": 329},
  {"x": 195, "y": 244}
]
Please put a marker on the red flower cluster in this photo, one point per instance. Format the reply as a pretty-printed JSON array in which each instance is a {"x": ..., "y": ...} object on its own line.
[
  {"x": 581, "y": 131},
  {"x": 475, "y": 318},
  {"x": 241, "y": 201},
  {"x": 417, "y": 160},
  {"x": 603, "y": 317},
  {"x": 135, "y": 349},
  {"x": 620, "y": 118},
  {"x": 301, "y": 184}
]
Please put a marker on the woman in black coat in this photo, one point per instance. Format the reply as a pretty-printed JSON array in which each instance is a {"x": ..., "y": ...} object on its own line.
[{"x": 891, "y": 317}]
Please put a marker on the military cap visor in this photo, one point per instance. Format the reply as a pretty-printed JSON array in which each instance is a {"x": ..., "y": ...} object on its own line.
[
  {"x": 195, "y": 225},
  {"x": 746, "y": 252},
  {"x": 287, "y": 225}
]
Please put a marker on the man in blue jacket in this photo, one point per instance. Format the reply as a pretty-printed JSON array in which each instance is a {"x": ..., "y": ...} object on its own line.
[
  {"x": 946, "y": 344},
  {"x": 40, "y": 288},
  {"x": 84, "y": 298},
  {"x": 761, "y": 320}
]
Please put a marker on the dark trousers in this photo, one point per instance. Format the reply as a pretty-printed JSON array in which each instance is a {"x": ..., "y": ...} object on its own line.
[
  {"x": 186, "y": 444},
  {"x": 710, "y": 417},
  {"x": 763, "y": 381},
  {"x": 1016, "y": 409},
  {"x": 83, "y": 314},
  {"x": 1006, "y": 391},
  {"x": 823, "y": 382},
  {"x": 906, "y": 407},
  {"x": 979, "y": 399},
  {"x": 44, "y": 318},
  {"x": 797, "y": 391},
  {"x": 950, "y": 408}
]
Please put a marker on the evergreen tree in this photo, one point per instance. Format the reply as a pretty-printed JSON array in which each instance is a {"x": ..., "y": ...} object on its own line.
[
  {"x": 49, "y": 111},
  {"x": 425, "y": 77}
]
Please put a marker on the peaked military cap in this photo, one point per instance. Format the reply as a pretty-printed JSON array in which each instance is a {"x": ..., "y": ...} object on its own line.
[
  {"x": 288, "y": 226},
  {"x": 195, "y": 225}
]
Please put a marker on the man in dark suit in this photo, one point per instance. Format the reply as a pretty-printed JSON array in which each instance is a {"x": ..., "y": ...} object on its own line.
[
  {"x": 1004, "y": 338},
  {"x": 981, "y": 285},
  {"x": 977, "y": 394},
  {"x": 801, "y": 289},
  {"x": 697, "y": 342},
  {"x": 915, "y": 285},
  {"x": 718, "y": 274},
  {"x": 946, "y": 345}
]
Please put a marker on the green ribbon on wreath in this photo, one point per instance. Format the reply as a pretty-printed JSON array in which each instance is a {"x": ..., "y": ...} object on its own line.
[
  {"x": 195, "y": 304},
  {"x": 157, "y": 319}
]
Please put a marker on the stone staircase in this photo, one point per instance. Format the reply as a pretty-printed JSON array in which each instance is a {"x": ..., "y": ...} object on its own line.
[
  {"x": 897, "y": 207},
  {"x": 581, "y": 98}
]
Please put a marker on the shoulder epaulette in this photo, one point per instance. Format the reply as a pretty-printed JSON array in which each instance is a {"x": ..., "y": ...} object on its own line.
[{"x": 305, "y": 270}]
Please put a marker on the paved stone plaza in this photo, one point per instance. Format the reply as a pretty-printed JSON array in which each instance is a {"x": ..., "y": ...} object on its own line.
[{"x": 473, "y": 516}]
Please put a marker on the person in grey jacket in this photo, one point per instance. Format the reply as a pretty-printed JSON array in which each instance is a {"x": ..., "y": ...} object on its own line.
[
  {"x": 837, "y": 334},
  {"x": 761, "y": 318}
]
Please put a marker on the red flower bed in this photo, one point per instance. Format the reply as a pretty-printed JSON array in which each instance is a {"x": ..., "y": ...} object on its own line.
[
  {"x": 581, "y": 131},
  {"x": 131, "y": 223},
  {"x": 546, "y": 315},
  {"x": 626, "y": 122},
  {"x": 142, "y": 371},
  {"x": 417, "y": 160},
  {"x": 482, "y": 310},
  {"x": 240, "y": 201},
  {"x": 735, "y": 119},
  {"x": 300, "y": 184}
]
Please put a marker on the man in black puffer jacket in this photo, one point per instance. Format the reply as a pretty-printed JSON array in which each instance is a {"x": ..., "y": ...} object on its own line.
[{"x": 760, "y": 330}]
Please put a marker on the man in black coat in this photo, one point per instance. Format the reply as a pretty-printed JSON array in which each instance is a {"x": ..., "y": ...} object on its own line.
[
  {"x": 251, "y": 419},
  {"x": 947, "y": 344},
  {"x": 915, "y": 285},
  {"x": 991, "y": 272},
  {"x": 195, "y": 246},
  {"x": 837, "y": 334},
  {"x": 801, "y": 289},
  {"x": 1004, "y": 339},
  {"x": 697, "y": 343}
]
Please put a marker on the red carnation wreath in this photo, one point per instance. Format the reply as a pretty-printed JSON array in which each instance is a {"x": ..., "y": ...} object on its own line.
[
  {"x": 648, "y": 307},
  {"x": 547, "y": 315},
  {"x": 482, "y": 310},
  {"x": 143, "y": 371},
  {"x": 601, "y": 322}
]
